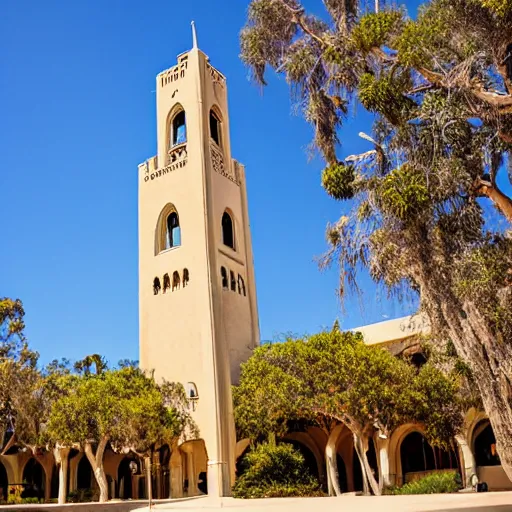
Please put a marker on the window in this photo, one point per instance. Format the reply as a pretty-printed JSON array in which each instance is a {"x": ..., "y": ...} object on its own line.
[
  {"x": 233, "y": 281},
  {"x": 241, "y": 285},
  {"x": 224, "y": 275},
  {"x": 178, "y": 129},
  {"x": 175, "y": 280},
  {"x": 228, "y": 237},
  {"x": 191, "y": 390},
  {"x": 215, "y": 128},
  {"x": 173, "y": 231},
  {"x": 168, "y": 230},
  {"x": 186, "y": 277},
  {"x": 156, "y": 285},
  {"x": 167, "y": 282}
]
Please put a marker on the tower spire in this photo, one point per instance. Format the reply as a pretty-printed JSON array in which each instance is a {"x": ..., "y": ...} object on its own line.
[{"x": 194, "y": 36}]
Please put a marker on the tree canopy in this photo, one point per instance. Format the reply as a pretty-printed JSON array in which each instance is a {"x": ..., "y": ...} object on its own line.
[
  {"x": 336, "y": 376},
  {"x": 418, "y": 220}
]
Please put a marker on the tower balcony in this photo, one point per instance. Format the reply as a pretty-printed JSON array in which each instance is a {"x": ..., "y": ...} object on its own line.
[{"x": 176, "y": 159}]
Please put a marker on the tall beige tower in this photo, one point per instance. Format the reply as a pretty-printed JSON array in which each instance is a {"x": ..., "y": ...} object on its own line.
[{"x": 197, "y": 295}]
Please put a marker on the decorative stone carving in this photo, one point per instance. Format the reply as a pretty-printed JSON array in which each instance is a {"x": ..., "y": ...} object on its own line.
[
  {"x": 217, "y": 78},
  {"x": 219, "y": 165},
  {"x": 173, "y": 74},
  {"x": 177, "y": 154}
]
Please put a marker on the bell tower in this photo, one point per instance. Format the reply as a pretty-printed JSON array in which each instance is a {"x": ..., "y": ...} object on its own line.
[{"x": 197, "y": 297}]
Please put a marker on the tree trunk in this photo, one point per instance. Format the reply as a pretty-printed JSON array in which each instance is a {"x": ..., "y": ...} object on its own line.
[
  {"x": 368, "y": 477},
  {"x": 489, "y": 359},
  {"x": 96, "y": 461},
  {"x": 500, "y": 200}
]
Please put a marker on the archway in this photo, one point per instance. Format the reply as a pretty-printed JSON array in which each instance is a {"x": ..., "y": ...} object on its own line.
[
  {"x": 4, "y": 482},
  {"x": 34, "y": 476},
  {"x": 358, "y": 474},
  {"x": 124, "y": 479},
  {"x": 416, "y": 454},
  {"x": 371, "y": 455},
  {"x": 485, "y": 445},
  {"x": 309, "y": 457},
  {"x": 55, "y": 482},
  {"x": 342, "y": 473},
  {"x": 84, "y": 477}
]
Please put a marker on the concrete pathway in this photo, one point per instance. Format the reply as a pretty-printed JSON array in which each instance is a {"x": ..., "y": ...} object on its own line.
[{"x": 472, "y": 502}]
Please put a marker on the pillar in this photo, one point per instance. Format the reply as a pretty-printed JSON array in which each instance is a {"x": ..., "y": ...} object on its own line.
[
  {"x": 382, "y": 446},
  {"x": 467, "y": 461},
  {"x": 176, "y": 473}
]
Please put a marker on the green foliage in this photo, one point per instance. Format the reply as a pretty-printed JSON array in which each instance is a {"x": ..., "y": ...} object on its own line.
[
  {"x": 376, "y": 29},
  {"x": 404, "y": 192},
  {"x": 435, "y": 483},
  {"x": 338, "y": 180},
  {"x": 500, "y": 7},
  {"x": 386, "y": 95},
  {"x": 273, "y": 471},
  {"x": 335, "y": 375},
  {"x": 123, "y": 405}
]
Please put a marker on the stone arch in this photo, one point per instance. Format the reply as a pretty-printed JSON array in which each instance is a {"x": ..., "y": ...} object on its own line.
[
  {"x": 34, "y": 474},
  {"x": 228, "y": 229},
  {"x": 216, "y": 126},
  {"x": 173, "y": 137},
  {"x": 195, "y": 467},
  {"x": 417, "y": 456},
  {"x": 84, "y": 476},
  {"x": 168, "y": 229},
  {"x": 484, "y": 445},
  {"x": 125, "y": 483},
  {"x": 313, "y": 457}
]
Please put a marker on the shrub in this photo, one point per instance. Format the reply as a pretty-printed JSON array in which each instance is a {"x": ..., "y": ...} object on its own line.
[
  {"x": 82, "y": 496},
  {"x": 275, "y": 471},
  {"x": 435, "y": 483}
]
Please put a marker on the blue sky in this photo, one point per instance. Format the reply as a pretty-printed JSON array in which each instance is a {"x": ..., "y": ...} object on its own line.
[{"x": 78, "y": 110}]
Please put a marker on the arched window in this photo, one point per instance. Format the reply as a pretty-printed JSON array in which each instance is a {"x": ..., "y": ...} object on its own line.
[
  {"x": 175, "y": 280},
  {"x": 156, "y": 285},
  {"x": 215, "y": 128},
  {"x": 173, "y": 231},
  {"x": 167, "y": 282},
  {"x": 178, "y": 129},
  {"x": 233, "y": 281},
  {"x": 191, "y": 390},
  {"x": 228, "y": 235},
  {"x": 224, "y": 275},
  {"x": 186, "y": 277},
  {"x": 241, "y": 285}
]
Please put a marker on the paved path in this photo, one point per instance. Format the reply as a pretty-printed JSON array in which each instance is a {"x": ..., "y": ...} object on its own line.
[{"x": 481, "y": 502}]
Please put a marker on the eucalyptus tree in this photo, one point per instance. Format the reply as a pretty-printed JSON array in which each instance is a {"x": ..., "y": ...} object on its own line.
[{"x": 440, "y": 87}]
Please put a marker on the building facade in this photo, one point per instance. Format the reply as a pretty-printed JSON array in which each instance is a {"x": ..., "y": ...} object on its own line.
[
  {"x": 197, "y": 296},
  {"x": 199, "y": 322}
]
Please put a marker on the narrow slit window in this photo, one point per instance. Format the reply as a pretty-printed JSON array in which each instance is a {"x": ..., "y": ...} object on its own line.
[
  {"x": 233, "y": 281},
  {"x": 186, "y": 277},
  {"x": 214, "y": 128},
  {"x": 241, "y": 285},
  {"x": 175, "y": 280},
  {"x": 167, "y": 282},
  {"x": 156, "y": 286},
  {"x": 228, "y": 236},
  {"x": 224, "y": 275}
]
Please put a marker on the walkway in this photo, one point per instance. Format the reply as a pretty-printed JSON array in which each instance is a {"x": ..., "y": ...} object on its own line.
[{"x": 482, "y": 502}]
